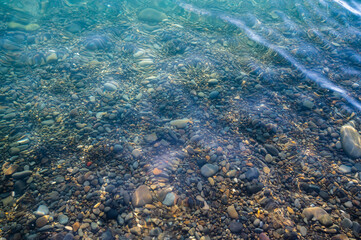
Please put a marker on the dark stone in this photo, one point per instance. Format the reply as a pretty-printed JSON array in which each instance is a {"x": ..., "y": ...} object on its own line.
[
  {"x": 19, "y": 187},
  {"x": 214, "y": 95},
  {"x": 252, "y": 173},
  {"x": 112, "y": 214},
  {"x": 235, "y": 227},
  {"x": 356, "y": 228},
  {"x": 69, "y": 236},
  {"x": 117, "y": 148},
  {"x": 271, "y": 149},
  {"x": 324, "y": 195},
  {"x": 110, "y": 188},
  {"x": 21, "y": 175},
  {"x": 254, "y": 187},
  {"x": 107, "y": 235},
  {"x": 290, "y": 236}
]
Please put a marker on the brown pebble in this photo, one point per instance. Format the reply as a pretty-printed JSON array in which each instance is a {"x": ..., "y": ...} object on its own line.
[
  {"x": 41, "y": 221},
  {"x": 76, "y": 226},
  {"x": 10, "y": 170},
  {"x": 263, "y": 236},
  {"x": 86, "y": 188}
]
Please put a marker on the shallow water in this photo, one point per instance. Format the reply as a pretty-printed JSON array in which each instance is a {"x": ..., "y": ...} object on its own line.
[{"x": 192, "y": 119}]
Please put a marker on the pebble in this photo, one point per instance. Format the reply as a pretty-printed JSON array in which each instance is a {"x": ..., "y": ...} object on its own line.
[
  {"x": 42, "y": 210},
  {"x": 232, "y": 212},
  {"x": 180, "y": 123},
  {"x": 351, "y": 140},
  {"x": 235, "y": 227},
  {"x": 303, "y": 231},
  {"x": 209, "y": 170},
  {"x": 48, "y": 122},
  {"x": 14, "y": 150},
  {"x": 252, "y": 173},
  {"x": 151, "y": 16},
  {"x": 346, "y": 223},
  {"x": 318, "y": 213},
  {"x": 42, "y": 221},
  {"x": 110, "y": 86},
  {"x": 214, "y": 94},
  {"x": 344, "y": 169},
  {"x": 142, "y": 196},
  {"x": 169, "y": 199},
  {"x": 22, "y": 175},
  {"x": 63, "y": 219}
]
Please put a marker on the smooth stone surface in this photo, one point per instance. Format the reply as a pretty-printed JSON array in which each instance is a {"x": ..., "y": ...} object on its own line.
[
  {"x": 235, "y": 227},
  {"x": 151, "y": 16},
  {"x": 41, "y": 221},
  {"x": 232, "y": 212},
  {"x": 63, "y": 219},
  {"x": 344, "y": 169},
  {"x": 214, "y": 95},
  {"x": 318, "y": 213},
  {"x": 346, "y": 223},
  {"x": 142, "y": 196},
  {"x": 303, "y": 231},
  {"x": 169, "y": 199},
  {"x": 42, "y": 210},
  {"x": 22, "y": 175},
  {"x": 252, "y": 173},
  {"x": 179, "y": 123},
  {"x": 351, "y": 141},
  {"x": 109, "y": 86},
  {"x": 208, "y": 170},
  {"x": 48, "y": 122}
]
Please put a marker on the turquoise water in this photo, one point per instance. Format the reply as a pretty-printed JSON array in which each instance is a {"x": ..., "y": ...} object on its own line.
[{"x": 160, "y": 119}]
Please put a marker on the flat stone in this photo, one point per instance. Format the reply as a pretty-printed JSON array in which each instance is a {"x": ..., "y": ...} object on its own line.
[
  {"x": 41, "y": 221},
  {"x": 318, "y": 213},
  {"x": 180, "y": 123},
  {"x": 142, "y": 196},
  {"x": 340, "y": 237},
  {"x": 208, "y": 170},
  {"x": 271, "y": 149},
  {"x": 235, "y": 227},
  {"x": 151, "y": 16},
  {"x": 110, "y": 86},
  {"x": 344, "y": 169},
  {"x": 14, "y": 150},
  {"x": 22, "y": 175},
  {"x": 346, "y": 223},
  {"x": 303, "y": 231},
  {"x": 351, "y": 141},
  {"x": 232, "y": 212},
  {"x": 48, "y": 122},
  {"x": 214, "y": 95}
]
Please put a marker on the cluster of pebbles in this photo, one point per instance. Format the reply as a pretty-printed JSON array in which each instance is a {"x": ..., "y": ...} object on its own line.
[{"x": 156, "y": 125}]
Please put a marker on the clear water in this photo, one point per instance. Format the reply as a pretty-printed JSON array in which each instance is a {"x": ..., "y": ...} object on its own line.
[{"x": 206, "y": 104}]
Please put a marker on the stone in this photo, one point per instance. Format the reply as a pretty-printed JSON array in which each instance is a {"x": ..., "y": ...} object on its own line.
[
  {"x": 110, "y": 86},
  {"x": 346, "y": 223},
  {"x": 136, "y": 230},
  {"x": 112, "y": 214},
  {"x": 155, "y": 232},
  {"x": 63, "y": 219},
  {"x": 318, "y": 213},
  {"x": 303, "y": 231},
  {"x": 340, "y": 237},
  {"x": 351, "y": 141},
  {"x": 208, "y": 170},
  {"x": 169, "y": 199},
  {"x": 180, "y": 123},
  {"x": 263, "y": 236},
  {"x": 42, "y": 210},
  {"x": 48, "y": 122},
  {"x": 252, "y": 187},
  {"x": 214, "y": 95},
  {"x": 22, "y": 175},
  {"x": 252, "y": 173},
  {"x": 344, "y": 169},
  {"x": 42, "y": 221},
  {"x": 142, "y": 196},
  {"x": 235, "y": 227},
  {"x": 151, "y": 137},
  {"x": 232, "y": 212},
  {"x": 52, "y": 57},
  {"x": 151, "y": 16},
  {"x": 14, "y": 151},
  {"x": 271, "y": 149}
]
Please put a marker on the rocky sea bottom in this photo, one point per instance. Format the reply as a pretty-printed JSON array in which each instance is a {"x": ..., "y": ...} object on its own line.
[{"x": 150, "y": 125}]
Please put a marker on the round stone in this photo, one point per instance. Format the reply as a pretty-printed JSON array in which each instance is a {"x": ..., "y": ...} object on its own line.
[
  {"x": 142, "y": 196},
  {"x": 208, "y": 170}
]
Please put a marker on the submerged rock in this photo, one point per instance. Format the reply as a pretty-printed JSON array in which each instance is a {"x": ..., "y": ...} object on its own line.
[
  {"x": 318, "y": 213},
  {"x": 141, "y": 196},
  {"x": 351, "y": 141},
  {"x": 151, "y": 16},
  {"x": 208, "y": 170}
]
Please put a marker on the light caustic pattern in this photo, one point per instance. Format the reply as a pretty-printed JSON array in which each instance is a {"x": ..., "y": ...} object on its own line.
[{"x": 315, "y": 76}]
